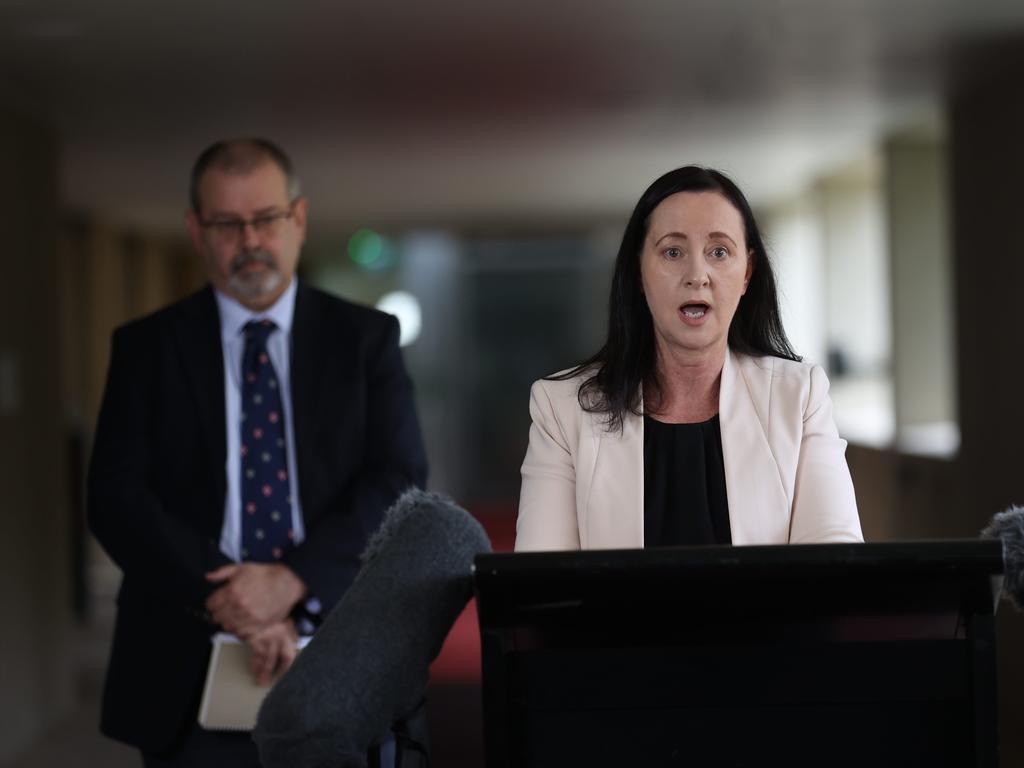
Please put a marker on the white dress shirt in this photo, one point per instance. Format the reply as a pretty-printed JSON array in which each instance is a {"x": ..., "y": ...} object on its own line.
[{"x": 233, "y": 318}]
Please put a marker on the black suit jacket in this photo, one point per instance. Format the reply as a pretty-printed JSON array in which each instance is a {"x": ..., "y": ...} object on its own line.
[{"x": 157, "y": 482}]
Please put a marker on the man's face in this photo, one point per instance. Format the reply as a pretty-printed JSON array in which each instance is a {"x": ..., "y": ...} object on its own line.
[{"x": 248, "y": 233}]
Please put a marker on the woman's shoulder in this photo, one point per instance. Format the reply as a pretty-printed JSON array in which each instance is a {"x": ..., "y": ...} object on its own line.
[
  {"x": 559, "y": 394},
  {"x": 562, "y": 385},
  {"x": 784, "y": 378},
  {"x": 777, "y": 367}
]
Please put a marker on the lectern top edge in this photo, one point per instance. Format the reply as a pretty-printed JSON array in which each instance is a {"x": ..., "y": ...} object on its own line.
[{"x": 962, "y": 556}]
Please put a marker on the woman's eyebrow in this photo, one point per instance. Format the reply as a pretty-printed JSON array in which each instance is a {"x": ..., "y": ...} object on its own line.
[
  {"x": 721, "y": 236},
  {"x": 711, "y": 236},
  {"x": 680, "y": 235}
]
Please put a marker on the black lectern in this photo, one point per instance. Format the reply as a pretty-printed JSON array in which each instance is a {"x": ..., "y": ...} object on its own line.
[{"x": 823, "y": 655}]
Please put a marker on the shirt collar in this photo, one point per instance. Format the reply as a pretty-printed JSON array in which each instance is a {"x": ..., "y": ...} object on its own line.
[{"x": 234, "y": 316}]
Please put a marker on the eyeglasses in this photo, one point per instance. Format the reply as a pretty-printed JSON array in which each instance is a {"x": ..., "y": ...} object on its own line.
[{"x": 233, "y": 230}]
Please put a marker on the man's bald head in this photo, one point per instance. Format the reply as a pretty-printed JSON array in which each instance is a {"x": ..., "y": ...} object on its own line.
[{"x": 241, "y": 156}]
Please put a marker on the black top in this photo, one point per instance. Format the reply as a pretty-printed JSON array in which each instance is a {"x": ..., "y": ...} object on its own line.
[{"x": 685, "y": 502}]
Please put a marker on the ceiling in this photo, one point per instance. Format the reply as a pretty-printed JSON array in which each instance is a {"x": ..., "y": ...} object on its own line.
[{"x": 411, "y": 114}]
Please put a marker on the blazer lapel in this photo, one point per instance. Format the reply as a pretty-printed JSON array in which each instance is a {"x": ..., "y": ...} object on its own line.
[
  {"x": 758, "y": 507},
  {"x": 306, "y": 375},
  {"x": 202, "y": 357},
  {"x": 615, "y": 512}
]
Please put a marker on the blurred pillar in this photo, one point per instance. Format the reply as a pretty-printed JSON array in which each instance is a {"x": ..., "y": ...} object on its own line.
[
  {"x": 987, "y": 156},
  {"x": 430, "y": 270},
  {"x": 924, "y": 355},
  {"x": 36, "y": 642},
  {"x": 857, "y": 301},
  {"x": 794, "y": 235},
  {"x": 107, "y": 306},
  {"x": 107, "y": 300},
  {"x": 857, "y": 279},
  {"x": 189, "y": 270},
  {"x": 154, "y": 284},
  {"x": 74, "y": 367}
]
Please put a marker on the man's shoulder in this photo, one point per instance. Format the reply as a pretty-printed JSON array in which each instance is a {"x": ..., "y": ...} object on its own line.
[
  {"x": 198, "y": 306},
  {"x": 334, "y": 309}
]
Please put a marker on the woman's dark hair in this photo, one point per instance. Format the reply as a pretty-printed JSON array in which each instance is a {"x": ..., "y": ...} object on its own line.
[{"x": 627, "y": 359}]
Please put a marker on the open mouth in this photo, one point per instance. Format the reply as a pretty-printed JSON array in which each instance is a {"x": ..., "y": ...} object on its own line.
[{"x": 695, "y": 310}]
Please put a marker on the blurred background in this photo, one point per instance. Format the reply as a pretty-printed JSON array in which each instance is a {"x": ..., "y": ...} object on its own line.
[{"x": 470, "y": 167}]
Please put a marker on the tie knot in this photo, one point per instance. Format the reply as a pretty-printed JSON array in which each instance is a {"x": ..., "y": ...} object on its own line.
[{"x": 257, "y": 331}]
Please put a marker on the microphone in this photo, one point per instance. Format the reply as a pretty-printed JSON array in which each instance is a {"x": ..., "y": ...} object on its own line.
[
  {"x": 1008, "y": 527},
  {"x": 366, "y": 667}
]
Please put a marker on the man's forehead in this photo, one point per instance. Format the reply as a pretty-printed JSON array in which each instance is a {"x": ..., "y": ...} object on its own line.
[{"x": 253, "y": 188}]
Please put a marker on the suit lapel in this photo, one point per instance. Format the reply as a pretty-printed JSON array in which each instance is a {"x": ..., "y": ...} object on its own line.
[
  {"x": 615, "y": 514},
  {"x": 306, "y": 374},
  {"x": 758, "y": 507},
  {"x": 202, "y": 357}
]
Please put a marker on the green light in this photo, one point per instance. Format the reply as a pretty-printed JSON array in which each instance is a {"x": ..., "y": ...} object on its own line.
[{"x": 365, "y": 247}]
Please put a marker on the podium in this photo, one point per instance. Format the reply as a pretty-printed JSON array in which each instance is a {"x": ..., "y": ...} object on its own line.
[{"x": 824, "y": 655}]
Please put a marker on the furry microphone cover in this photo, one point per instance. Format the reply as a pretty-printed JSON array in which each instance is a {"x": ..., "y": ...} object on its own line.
[
  {"x": 1008, "y": 527},
  {"x": 367, "y": 665}
]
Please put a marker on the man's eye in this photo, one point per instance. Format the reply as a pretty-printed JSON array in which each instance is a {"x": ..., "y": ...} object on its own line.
[
  {"x": 226, "y": 225},
  {"x": 268, "y": 224}
]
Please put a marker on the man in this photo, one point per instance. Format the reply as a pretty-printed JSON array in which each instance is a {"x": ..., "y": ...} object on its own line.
[{"x": 250, "y": 438}]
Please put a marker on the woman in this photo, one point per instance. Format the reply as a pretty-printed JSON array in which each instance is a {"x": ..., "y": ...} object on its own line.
[{"x": 695, "y": 423}]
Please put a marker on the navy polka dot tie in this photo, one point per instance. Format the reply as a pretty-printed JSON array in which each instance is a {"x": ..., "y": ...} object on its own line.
[{"x": 266, "y": 494}]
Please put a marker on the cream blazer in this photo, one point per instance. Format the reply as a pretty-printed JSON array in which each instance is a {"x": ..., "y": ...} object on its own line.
[{"x": 785, "y": 466}]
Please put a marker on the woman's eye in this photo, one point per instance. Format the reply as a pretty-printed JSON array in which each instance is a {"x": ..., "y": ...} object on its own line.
[
  {"x": 719, "y": 252},
  {"x": 673, "y": 253}
]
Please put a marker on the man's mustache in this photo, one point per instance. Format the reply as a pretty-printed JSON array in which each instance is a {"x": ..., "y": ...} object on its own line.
[{"x": 245, "y": 258}]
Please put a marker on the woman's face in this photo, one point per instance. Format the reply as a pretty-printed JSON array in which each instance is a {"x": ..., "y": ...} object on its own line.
[{"x": 694, "y": 268}]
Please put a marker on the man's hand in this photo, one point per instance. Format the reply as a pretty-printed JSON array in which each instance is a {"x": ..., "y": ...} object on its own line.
[
  {"x": 253, "y": 596},
  {"x": 273, "y": 650}
]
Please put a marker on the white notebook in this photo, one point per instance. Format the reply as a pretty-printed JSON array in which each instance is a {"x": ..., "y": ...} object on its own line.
[{"x": 231, "y": 696}]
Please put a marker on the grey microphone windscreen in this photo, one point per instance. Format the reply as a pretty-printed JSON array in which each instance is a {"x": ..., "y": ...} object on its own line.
[
  {"x": 367, "y": 665},
  {"x": 1008, "y": 527}
]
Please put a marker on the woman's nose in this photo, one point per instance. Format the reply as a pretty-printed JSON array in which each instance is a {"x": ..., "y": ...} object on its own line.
[{"x": 696, "y": 278}]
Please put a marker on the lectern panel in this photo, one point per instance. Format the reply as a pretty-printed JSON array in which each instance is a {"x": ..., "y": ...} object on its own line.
[{"x": 877, "y": 655}]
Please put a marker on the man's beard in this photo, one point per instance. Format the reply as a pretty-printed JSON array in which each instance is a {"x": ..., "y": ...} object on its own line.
[{"x": 254, "y": 285}]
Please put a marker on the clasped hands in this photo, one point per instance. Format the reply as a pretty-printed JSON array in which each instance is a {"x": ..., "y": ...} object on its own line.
[{"x": 253, "y": 602}]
